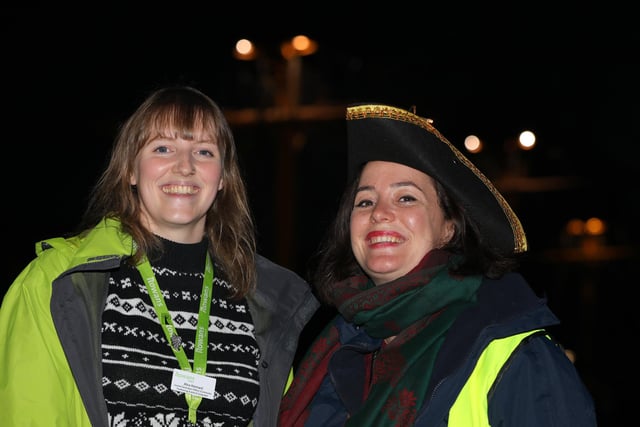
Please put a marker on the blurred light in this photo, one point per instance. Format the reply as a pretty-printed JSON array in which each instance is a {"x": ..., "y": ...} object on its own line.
[
  {"x": 473, "y": 144},
  {"x": 301, "y": 43},
  {"x": 245, "y": 50},
  {"x": 527, "y": 140},
  {"x": 298, "y": 46},
  {"x": 575, "y": 227},
  {"x": 591, "y": 227},
  {"x": 594, "y": 226}
]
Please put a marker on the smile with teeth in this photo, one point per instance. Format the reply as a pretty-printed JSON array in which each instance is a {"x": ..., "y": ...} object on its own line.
[
  {"x": 179, "y": 189},
  {"x": 384, "y": 239}
]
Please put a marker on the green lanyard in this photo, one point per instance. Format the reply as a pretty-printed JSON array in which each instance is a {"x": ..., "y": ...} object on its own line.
[{"x": 202, "y": 328}]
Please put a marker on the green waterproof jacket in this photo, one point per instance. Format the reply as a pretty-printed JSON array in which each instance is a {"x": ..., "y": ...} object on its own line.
[{"x": 50, "y": 331}]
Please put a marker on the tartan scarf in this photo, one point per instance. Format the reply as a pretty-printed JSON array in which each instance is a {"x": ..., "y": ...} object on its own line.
[{"x": 417, "y": 309}]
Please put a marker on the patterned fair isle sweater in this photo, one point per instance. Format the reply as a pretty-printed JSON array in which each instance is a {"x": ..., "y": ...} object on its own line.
[{"x": 138, "y": 362}]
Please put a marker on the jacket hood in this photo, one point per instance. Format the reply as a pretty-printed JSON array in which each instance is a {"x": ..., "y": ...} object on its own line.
[{"x": 106, "y": 240}]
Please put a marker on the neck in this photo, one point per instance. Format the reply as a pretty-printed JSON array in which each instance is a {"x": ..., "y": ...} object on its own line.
[
  {"x": 192, "y": 232},
  {"x": 181, "y": 235},
  {"x": 180, "y": 256}
]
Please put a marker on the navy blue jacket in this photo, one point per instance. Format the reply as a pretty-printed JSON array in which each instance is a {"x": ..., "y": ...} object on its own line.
[{"x": 537, "y": 386}]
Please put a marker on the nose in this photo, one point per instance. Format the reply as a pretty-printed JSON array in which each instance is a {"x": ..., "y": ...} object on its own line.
[
  {"x": 184, "y": 163},
  {"x": 382, "y": 213}
]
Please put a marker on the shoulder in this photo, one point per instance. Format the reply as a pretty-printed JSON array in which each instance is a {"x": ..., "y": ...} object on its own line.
[
  {"x": 282, "y": 287},
  {"x": 507, "y": 301},
  {"x": 545, "y": 377},
  {"x": 54, "y": 255},
  {"x": 512, "y": 283},
  {"x": 105, "y": 240},
  {"x": 510, "y": 296},
  {"x": 275, "y": 274}
]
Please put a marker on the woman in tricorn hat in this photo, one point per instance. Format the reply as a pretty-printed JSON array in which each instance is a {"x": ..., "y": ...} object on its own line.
[{"x": 434, "y": 326}]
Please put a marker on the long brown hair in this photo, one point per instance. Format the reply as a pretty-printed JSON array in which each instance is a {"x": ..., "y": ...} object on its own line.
[{"x": 229, "y": 224}]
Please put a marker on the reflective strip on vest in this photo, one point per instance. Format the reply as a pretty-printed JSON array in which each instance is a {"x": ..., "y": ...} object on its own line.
[{"x": 471, "y": 407}]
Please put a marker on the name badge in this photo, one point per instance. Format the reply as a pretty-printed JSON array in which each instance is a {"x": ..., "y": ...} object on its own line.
[{"x": 195, "y": 384}]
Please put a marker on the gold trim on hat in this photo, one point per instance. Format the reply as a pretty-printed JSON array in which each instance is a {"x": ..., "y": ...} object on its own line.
[{"x": 374, "y": 111}]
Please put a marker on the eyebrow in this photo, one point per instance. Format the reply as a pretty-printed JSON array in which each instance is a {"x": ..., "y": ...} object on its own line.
[
  {"x": 394, "y": 185},
  {"x": 176, "y": 137}
]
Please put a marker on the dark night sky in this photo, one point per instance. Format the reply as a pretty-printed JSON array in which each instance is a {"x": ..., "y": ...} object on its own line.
[{"x": 568, "y": 73}]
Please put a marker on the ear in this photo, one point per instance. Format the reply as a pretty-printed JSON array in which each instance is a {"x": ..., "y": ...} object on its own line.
[
  {"x": 220, "y": 184},
  {"x": 133, "y": 180},
  {"x": 449, "y": 231}
]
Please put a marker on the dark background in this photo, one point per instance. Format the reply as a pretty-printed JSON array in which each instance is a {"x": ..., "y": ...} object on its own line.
[{"x": 569, "y": 73}]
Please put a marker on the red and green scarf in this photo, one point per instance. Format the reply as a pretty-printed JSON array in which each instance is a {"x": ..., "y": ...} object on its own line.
[{"x": 417, "y": 309}]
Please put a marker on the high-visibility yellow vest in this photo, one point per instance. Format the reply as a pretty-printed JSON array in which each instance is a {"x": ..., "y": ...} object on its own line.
[{"x": 471, "y": 407}]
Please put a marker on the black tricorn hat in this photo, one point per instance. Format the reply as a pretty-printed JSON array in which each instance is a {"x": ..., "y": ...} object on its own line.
[{"x": 382, "y": 132}]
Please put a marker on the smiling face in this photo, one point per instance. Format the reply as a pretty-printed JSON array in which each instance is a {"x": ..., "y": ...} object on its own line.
[
  {"x": 396, "y": 220},
  {"x": 177, "y": 179}
]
